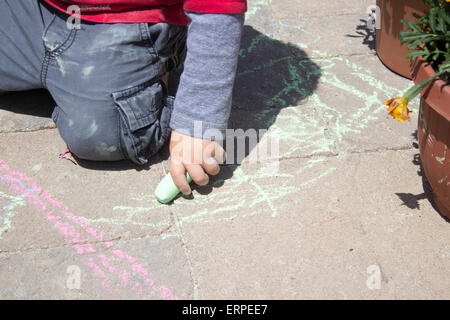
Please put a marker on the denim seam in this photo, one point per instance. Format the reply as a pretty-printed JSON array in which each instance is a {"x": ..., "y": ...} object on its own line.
[
  {"x": 49, "y": 55},
  {"x": 67, "y": 43},
  {"x": 55, "y": 114},
  {"x": 146, "y": 36},
  {"x": 119, "y": 131},
  {"x": 44, "y": 69},
  {"x": 129, "y": 135},
  {"x": 147, "y": 39},
  {"x": 168, "y": 103},
  {"x": 64, "y": 44},
  {"x": 126, "y": 93}
]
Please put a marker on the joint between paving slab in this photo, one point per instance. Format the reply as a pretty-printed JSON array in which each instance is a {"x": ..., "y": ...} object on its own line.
[
  {"x": 325, "y": 57},
  {"x": 27, "y": 130},
  {"x": 338, "y": 154},
  {"x": 194, "y": 280},
  {"x": 334, "y": 15},
  {"x": 70, "y": 245}
]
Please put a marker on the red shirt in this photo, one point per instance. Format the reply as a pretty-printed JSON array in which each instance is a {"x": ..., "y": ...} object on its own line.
[{"x": 127, "y": 11}]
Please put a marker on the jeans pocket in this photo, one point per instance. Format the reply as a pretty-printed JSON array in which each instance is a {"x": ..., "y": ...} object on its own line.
[
  {"x": 144, "y": 120},
  {"x": 57, "y": 36},
  {"x": 164, "y": 40}
]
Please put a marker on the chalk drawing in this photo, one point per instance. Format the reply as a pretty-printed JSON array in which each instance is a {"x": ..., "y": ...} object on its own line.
[
  {"x": 314, "y": 128},
  {"x": 7, "y": 212},
  {"x": 104, "y": 259},
  {"x": 255, "y": 6},
  {"x": 131, "y": 216}
]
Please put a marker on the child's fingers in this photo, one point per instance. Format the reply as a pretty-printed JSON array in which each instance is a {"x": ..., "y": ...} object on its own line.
[
  {"x": 219, "y": 154},
  {"x": 211, "y": 167},
  {"x": 177, "y": 171},
  {"x": 197, "y": 174}
]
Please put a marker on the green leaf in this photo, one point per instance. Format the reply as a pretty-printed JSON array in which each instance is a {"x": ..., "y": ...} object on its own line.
[
  {"x": 411, "y": 36},
  {"x": 414, "y": 54},
  {"x": 414, "y": 45},
  {"x": 445, "y": 13},
  {"x": 445, "y": 65},
  {"x": 412, "y": 25},
  {"x": 441, "y": 22},
  {"x": 432, "y": 31},
  {"x": 433, "y": 13}
]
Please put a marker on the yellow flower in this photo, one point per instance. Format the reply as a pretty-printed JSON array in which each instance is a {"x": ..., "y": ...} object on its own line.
[{"x": 398, "y": 108}]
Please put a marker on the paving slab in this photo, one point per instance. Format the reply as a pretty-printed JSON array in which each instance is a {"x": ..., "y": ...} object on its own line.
[
  {"x": 116, "y": 196},
  {"x": 125, "y": 242},
  {"x": 312, "y": 25},
  {"x": 146, "y": 268},
  {"x": 341, "y": 210},
  {"x": 319, "y": 230},
  {"x": 319, "y": 106},
  {"x": 304, "y": 8}
]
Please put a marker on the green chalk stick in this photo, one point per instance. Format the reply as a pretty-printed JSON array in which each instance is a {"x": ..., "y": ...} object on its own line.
[{"x": 167, "y": 190}]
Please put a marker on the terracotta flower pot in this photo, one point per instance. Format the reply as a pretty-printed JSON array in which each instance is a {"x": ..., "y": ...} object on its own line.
[
  {"x": 434, "y": 133},
  {"x": 388, "y": 47}
]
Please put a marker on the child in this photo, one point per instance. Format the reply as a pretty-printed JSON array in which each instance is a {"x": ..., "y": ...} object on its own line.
[{"x": 106, "y": 68}]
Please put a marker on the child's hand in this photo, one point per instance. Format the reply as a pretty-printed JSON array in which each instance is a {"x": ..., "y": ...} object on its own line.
[{"x": 195, "y": 155}]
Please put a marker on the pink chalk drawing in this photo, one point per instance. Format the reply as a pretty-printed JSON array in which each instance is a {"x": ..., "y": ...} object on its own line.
[{"x": 66, "y": 223}]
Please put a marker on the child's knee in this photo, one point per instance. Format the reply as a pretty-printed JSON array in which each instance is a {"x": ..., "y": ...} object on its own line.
[
  {"x": 134, "y": 125},
  {"x": 90, "y": 138}
]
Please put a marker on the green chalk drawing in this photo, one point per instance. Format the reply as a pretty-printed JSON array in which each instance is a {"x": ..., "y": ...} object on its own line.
[
  {"x": 314, "y": 126},
  {"x": 253, "y": 44},
  {"x": 132, "y": 216},
  {"x": 269, "y": 64},
  {"x": 265, "y": 196},
  {"x": 255, "y": 6},
  {"x": 8, "y": 212},
  {"x": 294, "y": 83},
  {"x": 289, "y": 26}
]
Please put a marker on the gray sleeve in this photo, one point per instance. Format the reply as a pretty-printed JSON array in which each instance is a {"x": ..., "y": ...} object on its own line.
[{"x": 206, "y": 84}]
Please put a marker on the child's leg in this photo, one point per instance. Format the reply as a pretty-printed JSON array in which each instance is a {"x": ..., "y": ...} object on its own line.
[
  {"x": 22, "y": 23},
  {"x": 107, "y": 82}
]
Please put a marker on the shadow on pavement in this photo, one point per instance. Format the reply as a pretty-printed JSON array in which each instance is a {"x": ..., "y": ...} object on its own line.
[
  {"x": 365, "y": 33},
  {"x": 271, "y": 75},
  {"x": 36, "y": 102}
]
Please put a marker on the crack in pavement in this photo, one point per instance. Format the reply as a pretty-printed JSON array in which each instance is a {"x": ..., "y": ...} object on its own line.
[
  {"x": 195, "y": 289},
  {"x": 70, "y": 245},
  {"x": 28, "y": 130}
]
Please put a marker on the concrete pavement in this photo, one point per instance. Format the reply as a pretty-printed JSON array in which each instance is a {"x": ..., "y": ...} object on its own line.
[{"x": 346, "y": 215}]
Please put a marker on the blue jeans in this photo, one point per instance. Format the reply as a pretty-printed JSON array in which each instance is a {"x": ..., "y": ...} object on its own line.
[{"x": 104, "y": 78}]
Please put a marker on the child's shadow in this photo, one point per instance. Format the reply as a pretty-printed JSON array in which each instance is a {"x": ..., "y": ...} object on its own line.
[
  {"x": 271, "y": 75},
  {"x": 36, "y": 102}
]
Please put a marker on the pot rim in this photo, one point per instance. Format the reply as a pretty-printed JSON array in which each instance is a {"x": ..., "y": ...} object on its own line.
[{"x": 433, "y": 93}]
